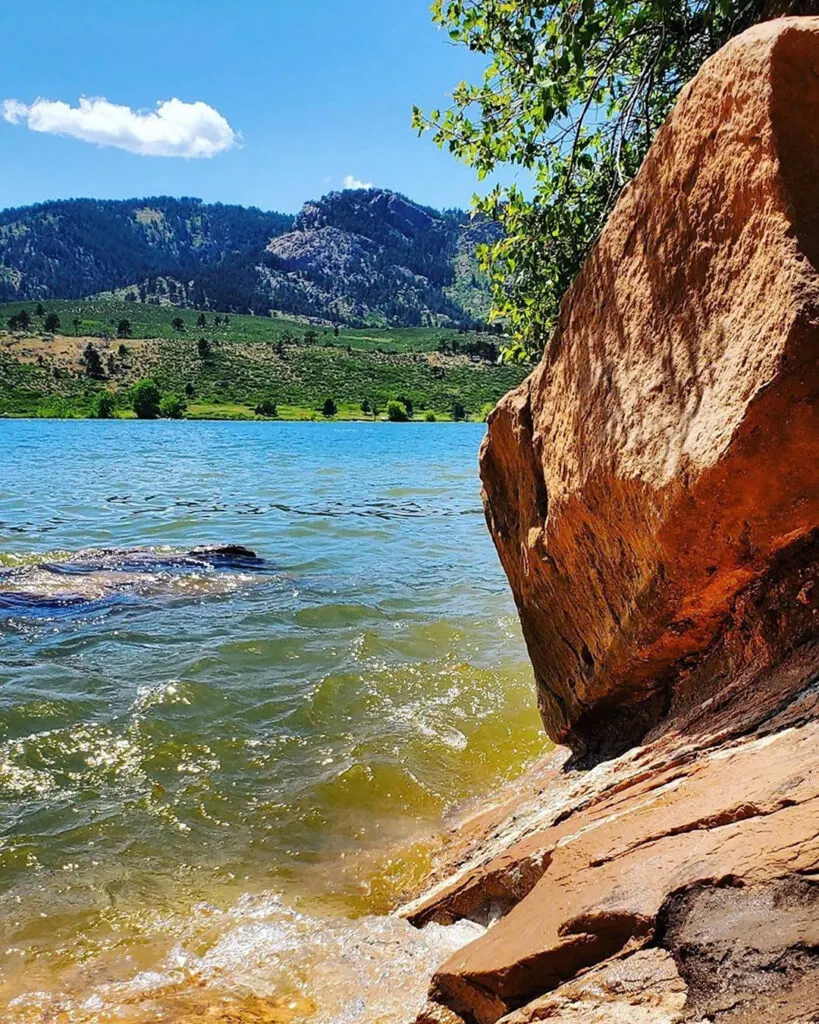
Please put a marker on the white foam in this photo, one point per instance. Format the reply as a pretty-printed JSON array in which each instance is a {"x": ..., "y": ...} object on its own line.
[{"x": 369, "y": 969}]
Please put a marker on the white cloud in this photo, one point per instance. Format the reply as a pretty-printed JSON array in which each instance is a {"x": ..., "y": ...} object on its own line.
[
  {"x": 14, "y": 111},
  {"x": 175, "y": 128},
  {"x": 352, "y": 182}
]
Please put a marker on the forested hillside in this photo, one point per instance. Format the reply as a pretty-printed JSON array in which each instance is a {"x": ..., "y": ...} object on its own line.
[
  {"x": 78, "y": 247},
  {"x": 362, "y": 257}
]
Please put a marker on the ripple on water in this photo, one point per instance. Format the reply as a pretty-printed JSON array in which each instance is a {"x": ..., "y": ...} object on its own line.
[
  {"x": 178, "y": 749},
  {"x": 336, "y": 615}
]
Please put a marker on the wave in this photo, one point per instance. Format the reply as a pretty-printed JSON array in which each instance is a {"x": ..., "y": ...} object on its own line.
[{"x": 264, "y": 961}]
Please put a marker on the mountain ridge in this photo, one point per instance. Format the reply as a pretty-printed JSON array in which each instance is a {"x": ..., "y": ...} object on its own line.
[{"x": 356, "y": 257}]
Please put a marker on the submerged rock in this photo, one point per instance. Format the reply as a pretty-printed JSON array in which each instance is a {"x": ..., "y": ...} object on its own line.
[
  {"x": 653, "y": 493},
  {"x": 97, "y": 574},
  {"x": 233, "y": 554}
]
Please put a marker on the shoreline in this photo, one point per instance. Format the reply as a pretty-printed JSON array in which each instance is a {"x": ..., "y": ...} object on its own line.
[{"x": 318, "y": 418}]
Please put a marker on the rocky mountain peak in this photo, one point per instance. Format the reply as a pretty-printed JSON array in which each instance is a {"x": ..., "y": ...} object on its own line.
[
  {"x": 365, "y": 210},
  {"x": 361, "y": 256}
]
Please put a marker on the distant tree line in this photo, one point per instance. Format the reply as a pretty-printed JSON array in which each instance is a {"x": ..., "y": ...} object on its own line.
[{"x": 480, "y": 348}]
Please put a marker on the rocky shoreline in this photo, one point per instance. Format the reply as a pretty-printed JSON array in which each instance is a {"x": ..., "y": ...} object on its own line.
[{"x": 653, "y": 495}]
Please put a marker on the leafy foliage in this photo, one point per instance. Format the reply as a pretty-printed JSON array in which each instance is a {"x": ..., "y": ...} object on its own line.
[
  {"x": 92, "y": 361},
  {"x": 407, "y": 403},
  {"x": 573, "y": 93},
  {"x": 104, "y": 406},
  {"x": 172, "y": 407},
  {"x": 146, "y": 399},
  {"x": 397, "y": 411},
  {"x": 267, "y": 407},
  {"x": 20, "y": 321}
]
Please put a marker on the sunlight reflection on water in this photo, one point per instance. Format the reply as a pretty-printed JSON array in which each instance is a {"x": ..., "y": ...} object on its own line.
[{"x": 212, "y": 782}]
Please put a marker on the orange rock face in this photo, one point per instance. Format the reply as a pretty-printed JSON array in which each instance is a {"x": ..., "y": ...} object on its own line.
[
  {"x": 653, "y": 493},
  {"x": 701, "y": 845},
  {"x": 664, "y": 451}
]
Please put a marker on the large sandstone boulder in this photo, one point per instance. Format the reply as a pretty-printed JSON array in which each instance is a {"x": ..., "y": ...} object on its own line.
[
  {"x": 663, "y": 455},
  {"x": 653, "y": 493}
]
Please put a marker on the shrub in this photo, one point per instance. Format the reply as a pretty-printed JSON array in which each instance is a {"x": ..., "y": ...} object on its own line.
[
  {"x": 204, "y": 349},
  {"x": 458, "y": 411},
  {"x": 396, "y": 411},
  {"x": 93, "y": 363},
  {"x": 267, "y": 407},
  {"x": 407, "y": 403},
  {"x": 429, "y": 416},
  {"x": 20, "y": 321},
  {"x": 486, "y": 408},
  {"x": 329, "y": 408},
  {"x": 104, "y": 407},
  {"x": 57, "y": 408},
  {"x": 145, "y": 400},
  {"x": 172, "y": 407}
]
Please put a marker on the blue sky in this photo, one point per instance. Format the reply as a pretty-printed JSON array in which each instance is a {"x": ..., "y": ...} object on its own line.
[{"x": 318, "y": 91}]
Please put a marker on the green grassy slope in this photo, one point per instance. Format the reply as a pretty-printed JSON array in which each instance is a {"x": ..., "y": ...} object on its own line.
[
  {"x": 100, "y": 316},
  {"x": 251, "y": 359}
]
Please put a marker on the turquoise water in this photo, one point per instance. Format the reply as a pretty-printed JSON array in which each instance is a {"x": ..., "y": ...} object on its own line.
[{"x": 214, "y": 781}]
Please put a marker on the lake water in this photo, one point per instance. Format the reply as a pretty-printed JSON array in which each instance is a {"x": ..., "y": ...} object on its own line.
[{"x": 216, "y": 780}]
